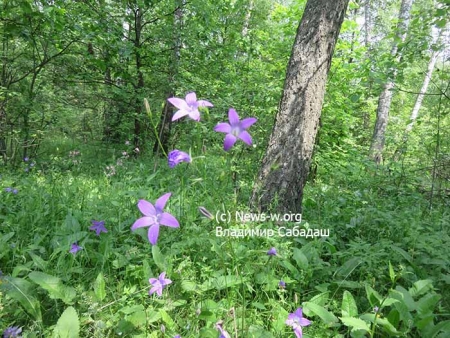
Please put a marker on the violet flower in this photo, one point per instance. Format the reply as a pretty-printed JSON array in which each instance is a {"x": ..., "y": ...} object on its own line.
[
  {"x": 159, "y": 284},
  {"x": 98, "y": 227},
  {"x": 189, "y": 106},
  {"x": 282, "y": 284},
  {"x": 177, "y": 156},
  {"x": 206, "y": 213},
  {"x": 296, "y": 320},
  {"x": 223, "y": 333},
  {"x": 272, "y": 252},
  {"x": 74, "y": 248},
  {"x": 235, "y": 129},
  {"x": 12, "y": 332},
  {"x": 154, "y": 216}
]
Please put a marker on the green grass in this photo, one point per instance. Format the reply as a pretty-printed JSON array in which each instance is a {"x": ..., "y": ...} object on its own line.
[{"x": 376, "y": 220}]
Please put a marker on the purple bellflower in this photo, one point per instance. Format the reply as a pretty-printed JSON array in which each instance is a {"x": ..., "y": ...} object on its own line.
[
  {"x": 235, "y": 129},
  {"x": 154, "y": 216},
  {"x": 206, "y": 213},
  {"x": 98, "y": 227},
  {"x": 282, "y": 284},
  {"x": 272, "y": 252},
  {"x": 223, "y": 333},
  {"x": 189, "y": 106},
  {"x": 12, "y": 332},
  {"x": 74, "y": 248},
  {"x": 159, "y": 284},
  {"x": 296, "y": 320},
  {"x": 177, "y": 156}
]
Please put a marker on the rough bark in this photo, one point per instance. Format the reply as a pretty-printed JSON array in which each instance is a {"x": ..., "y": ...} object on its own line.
[
  {"x": 286, "y": 163},
  {"x": 138, "y": 26},
  {"x": 385, "y": 99}
]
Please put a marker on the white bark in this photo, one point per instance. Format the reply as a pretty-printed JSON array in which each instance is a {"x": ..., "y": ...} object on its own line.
[
  {"x": 426, "y": 82},
  {"x": 384, "y": 102}
]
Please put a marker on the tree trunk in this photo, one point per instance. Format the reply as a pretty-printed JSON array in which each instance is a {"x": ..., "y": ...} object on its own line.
[
  {"x": 138, "y": 88},
  {"x": 286, "y": 163},
  {"x": 368, "y": 27},
  {"x": 423, "y": 90},
  {"x": 415, "y": 111},
  {"x": 384, "y": 102}
]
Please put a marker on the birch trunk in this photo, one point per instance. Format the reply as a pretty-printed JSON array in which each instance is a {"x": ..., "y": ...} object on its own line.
[
  {"x": 384, "y": 102},
  {"x": 415, "y": 111},
  {"x": 286, "y": 163}
]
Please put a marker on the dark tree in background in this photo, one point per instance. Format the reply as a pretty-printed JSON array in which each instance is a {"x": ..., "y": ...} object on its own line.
[{"x": 286, "y": 163}]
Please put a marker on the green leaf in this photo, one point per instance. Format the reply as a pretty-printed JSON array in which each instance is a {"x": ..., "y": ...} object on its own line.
[
  {"x": 427, "y": 303},
  {"x": 373, "y": 296},
  {"x": 188, "y": 285},
  {"x": 389, "y": 301},
  {"x": 167, "y": 319},
  {"x": 54, "y": 286},
  {"x": 300, "y": 259},
  {"x": 394, "y": 317},
  {"x": 391, "y": 273},
  {"x": 349, "y": 308},
  {"x": 320, "y": 299},
  {"x": 21, "y": 290},
  {"x": 311, "y": 308},
  {"x": 222, "y": 282},
  {"x": 355, "y": 323},
  {"x": 347, "y": 268},
  {"x": 99, "y": 287},
  {"x": 38, "y": 261},
  {"x": 443, "y": 326},
  {"x": 405, "y": 297},
  {"x": 421, "y": 287},
  {"x": 68, "y": 325},
  {"x": 158, "y": 258}
]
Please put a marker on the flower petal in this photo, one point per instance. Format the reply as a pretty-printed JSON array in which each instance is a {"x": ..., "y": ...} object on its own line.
[
  {"x": 244, "y": 136},
  {"x": 153, "y": 290},
  {"x": 195, "y": 115},
  {"x": 298, "y": 331},
  {"x": 191, "y": 98},
  {"x": 223, "y": 127},
  {"x": 146, "y": 208},
  {"x": 179, "y": 103},
  {"x": 304, "y": 322},
  {"x": 143, "y": 222},
  {"x": 161, "y": 202},
  {"x": 153, "y": 234},
  {"x": 247, "y": 122},
  {"x": 299, "y": 312},
  {"x": 205, "y": 103},
  {"x": 179, "y": 114},
  {"x": 233, "y": 117},
  {"x": 169, "y": 220},
  {"x": 229, "y": 141}
]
